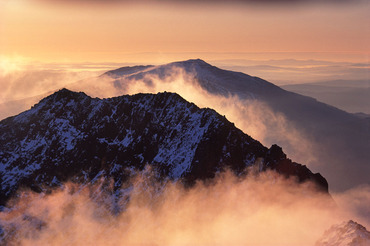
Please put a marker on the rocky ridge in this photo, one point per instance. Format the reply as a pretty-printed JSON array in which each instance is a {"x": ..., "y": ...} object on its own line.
[{"x": 71, "y": 136}]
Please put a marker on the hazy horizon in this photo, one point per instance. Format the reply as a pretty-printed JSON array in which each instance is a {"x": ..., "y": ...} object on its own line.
[
  {"x": 319, "y": 48},
  {"x": 24, "y": 79},
  {"x": 149, "y": 31}
]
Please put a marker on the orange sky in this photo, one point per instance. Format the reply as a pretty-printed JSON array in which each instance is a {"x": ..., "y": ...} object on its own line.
[{"x": 49, "y": 31}]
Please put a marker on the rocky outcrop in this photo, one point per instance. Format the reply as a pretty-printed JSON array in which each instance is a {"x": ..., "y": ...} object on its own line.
[
  {"x": 70, "y": 135},
  {"x": 348, "y": 233}
]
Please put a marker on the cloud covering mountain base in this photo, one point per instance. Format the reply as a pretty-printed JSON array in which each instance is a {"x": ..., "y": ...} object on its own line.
[
  {"x": 263, "y": 209},
  {"x": 324, "y": 147}
]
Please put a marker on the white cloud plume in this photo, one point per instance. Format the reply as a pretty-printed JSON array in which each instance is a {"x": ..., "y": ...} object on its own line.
[{"x": 258, "y": 210}]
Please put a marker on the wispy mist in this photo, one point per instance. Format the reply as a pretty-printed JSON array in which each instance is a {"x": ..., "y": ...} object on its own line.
[
  {"x": 290, "y": 71},
  {"x": 23, "y": 87},
  {"x": 263, "y": 209},
  {"x": 252, "y": 116}
]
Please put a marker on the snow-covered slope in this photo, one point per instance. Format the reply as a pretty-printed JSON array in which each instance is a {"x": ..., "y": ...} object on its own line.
[
  {"x": 209, "y": 77},
  {"x": 338, "y": 139},
  {"x": 71, "y": 135},
  {"x": 336, "y": 143},
  {"x": 348, "y": 233}
]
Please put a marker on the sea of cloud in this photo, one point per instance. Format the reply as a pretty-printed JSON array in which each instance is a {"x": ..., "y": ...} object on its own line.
[{"x": 259, "y": 209}]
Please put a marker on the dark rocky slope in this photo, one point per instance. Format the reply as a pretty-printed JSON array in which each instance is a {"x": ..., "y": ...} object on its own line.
[
  {"x": 70, "y": 135},
  {"x": 340, "y": 140}
]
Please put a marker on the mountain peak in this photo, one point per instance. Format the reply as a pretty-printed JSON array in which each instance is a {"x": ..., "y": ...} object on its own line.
[
  {"x": 70, "y": 134},
  {"x": 347, "y": 233},
  {"x": 195, "y": 61},
  {"x": 192, "y": 62},
  {"x": 65, "y": 94},
  {"x": 128, "y": 70},
  {"x": 132, "y": 70},
  {"x": 209, "y": 77}
]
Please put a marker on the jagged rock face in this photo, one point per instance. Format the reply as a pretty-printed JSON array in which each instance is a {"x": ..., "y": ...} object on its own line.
[
  {"x": 69, "y": 135},
  {"x": 346, "y": 234},
  {"x": 340, "y": 140}
]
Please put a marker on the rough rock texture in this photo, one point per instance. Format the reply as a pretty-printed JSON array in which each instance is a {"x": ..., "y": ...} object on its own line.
[
  {"x": 346, "y": 234},
  {"x": 70, "y": 135},
  {"x": 340, "y": 140}
]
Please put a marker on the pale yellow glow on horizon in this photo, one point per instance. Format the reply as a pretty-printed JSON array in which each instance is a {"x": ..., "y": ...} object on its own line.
[{"x": 154, "y": 33}]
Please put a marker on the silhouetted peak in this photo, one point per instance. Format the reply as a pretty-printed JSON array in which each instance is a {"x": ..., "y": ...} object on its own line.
[
  {"x": 66, "y": 94},
  {"x": 127, "y": 70},
  {"x": 197, "y": 61},
  {"x": 69, "y": 134},
  {"x": 192, "y": 62}
]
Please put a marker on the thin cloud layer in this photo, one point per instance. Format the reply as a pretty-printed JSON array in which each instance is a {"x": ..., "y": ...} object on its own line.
[
  {"x": 254, "y": 2},
  {"x": 252, "y": 117},
  {"x": 263, "y": 209}
]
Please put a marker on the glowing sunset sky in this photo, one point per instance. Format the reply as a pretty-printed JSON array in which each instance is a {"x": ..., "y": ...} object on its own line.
[{"x": 163, "y": 31}]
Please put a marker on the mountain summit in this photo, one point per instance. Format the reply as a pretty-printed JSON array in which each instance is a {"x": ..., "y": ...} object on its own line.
[
  {"x": 210, "y": 78},
  {"x": 70, "y": 135},
  {"x": 328, "y": 140},
  {"x": 339, "y": 140},
  {"x": 348, "y": 233}
]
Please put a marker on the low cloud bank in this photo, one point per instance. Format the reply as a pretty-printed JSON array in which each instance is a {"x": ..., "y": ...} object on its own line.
[
  {"x": 252, "y": 116},
  {"x": 263, "y": 209}
]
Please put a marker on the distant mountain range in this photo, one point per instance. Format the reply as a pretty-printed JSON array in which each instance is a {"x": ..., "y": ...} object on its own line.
[
  {"x": 71, "y": 136},
  {"x": 351, "y": 96},
  {"x": 340, "y": 140}
]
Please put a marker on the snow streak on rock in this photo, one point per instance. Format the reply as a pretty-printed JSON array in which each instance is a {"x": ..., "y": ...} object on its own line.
[
  {"x": 348, "y": 233},
  {"x": 69, "y": 135}
]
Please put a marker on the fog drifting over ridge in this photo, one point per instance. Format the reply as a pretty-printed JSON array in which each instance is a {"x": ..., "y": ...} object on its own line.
[
  {"x": 252, "y": 116},
  {"x": 257, "y": 209}
]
